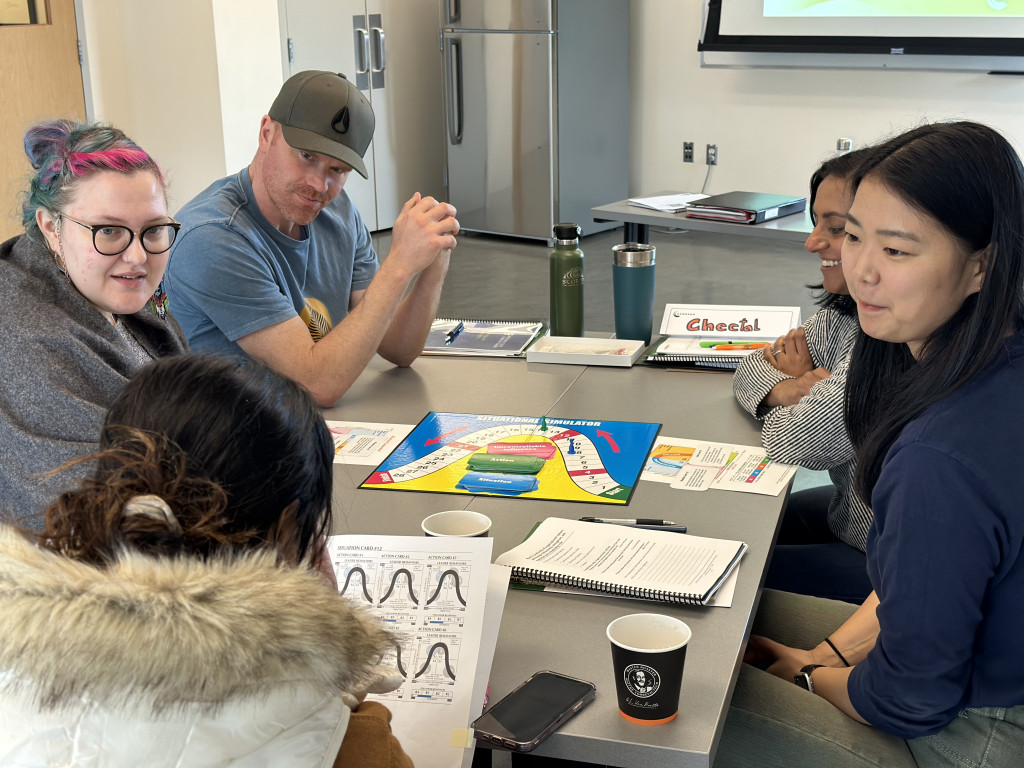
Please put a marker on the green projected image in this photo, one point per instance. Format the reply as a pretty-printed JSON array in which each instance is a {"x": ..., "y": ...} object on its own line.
[{"x": 866, "y": 9}]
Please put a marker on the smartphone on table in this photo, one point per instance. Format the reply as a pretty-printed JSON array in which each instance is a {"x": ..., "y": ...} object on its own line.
[{"x": 534, "y": 711}]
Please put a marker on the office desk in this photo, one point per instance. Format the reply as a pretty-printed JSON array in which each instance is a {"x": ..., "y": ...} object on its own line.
[
  {"x": 566, "y": 633},
  {"x": 793, "y": 228}
]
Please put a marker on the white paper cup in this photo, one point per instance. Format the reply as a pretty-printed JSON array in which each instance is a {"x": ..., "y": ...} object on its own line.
[{"x": 456, "y": 522}]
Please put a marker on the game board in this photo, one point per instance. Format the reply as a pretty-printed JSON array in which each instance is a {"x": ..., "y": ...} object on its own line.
[{"x": 524, "y": 457}]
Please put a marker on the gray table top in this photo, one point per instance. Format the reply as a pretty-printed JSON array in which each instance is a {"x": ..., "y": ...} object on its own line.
[
  {"x": 566, "y": 632},
  {"x": 794, "y": 227}
]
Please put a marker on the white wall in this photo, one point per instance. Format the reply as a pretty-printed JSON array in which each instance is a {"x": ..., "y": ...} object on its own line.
[
  {"x": 187, "y": 80},
  {"x": 250, "y": 71},
  {"x": 773, "y": 126}
]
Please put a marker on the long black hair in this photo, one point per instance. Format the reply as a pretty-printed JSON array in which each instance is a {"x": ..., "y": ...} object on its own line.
[
  {"x": 968, "y": 178},
  {"x": 840, "y": 167},
  {"x": 228, "y": 444}
]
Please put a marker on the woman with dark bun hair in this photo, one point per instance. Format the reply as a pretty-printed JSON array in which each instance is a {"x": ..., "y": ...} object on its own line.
[
  {"x": 174, "y": 612},
  {"x": 82, "y": 305}
]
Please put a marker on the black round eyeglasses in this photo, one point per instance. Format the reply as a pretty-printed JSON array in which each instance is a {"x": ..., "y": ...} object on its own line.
[{"x": 114, "y": 239}]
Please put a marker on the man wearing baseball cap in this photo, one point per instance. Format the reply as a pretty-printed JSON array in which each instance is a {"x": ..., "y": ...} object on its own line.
[{"x": 276, "y": 263}]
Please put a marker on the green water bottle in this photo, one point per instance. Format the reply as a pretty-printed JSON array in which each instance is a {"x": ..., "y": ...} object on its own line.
[{"x": 566, "y": 287}]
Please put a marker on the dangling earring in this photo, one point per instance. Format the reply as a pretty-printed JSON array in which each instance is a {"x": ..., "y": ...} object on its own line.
[
  {"x": 60, "y": 266},
  {"x": 58, "y": 257},
  {"x": 158, "y": 301}
]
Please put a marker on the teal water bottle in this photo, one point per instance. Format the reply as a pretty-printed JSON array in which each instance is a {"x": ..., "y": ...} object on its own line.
[
  {"x": 633, "y": 290},
  {"x": 566, "y": 286}
]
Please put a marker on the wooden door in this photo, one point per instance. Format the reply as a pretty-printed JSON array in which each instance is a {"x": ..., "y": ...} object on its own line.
[{"x": 40, "y": 78}]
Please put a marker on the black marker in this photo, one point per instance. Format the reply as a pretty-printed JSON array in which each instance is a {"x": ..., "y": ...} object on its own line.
[
  {"x": 627, "y": 521},
  {"x": 651, "y": 525}
]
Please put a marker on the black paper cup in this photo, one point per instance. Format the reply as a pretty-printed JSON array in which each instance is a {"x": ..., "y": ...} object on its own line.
[{"x": 648, "y": 652}]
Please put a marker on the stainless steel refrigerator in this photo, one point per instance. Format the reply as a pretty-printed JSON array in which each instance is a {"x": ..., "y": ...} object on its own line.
[{"x": 536, "y": 112}]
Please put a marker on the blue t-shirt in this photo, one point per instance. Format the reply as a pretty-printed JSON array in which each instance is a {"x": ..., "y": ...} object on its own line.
[
  {"x": 946, "y": 557},
  {"x": 232, "y": 273}
]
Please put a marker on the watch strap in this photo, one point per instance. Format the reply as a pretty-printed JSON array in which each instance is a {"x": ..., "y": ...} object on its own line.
[{"x": 803, "y": 677}]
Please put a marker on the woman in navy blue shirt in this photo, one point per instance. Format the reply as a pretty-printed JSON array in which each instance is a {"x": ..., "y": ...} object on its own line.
[{"x": 927, "y": 671}]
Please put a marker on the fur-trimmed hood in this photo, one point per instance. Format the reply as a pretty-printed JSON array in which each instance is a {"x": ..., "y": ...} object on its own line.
[{"x": 163, "y": 634}]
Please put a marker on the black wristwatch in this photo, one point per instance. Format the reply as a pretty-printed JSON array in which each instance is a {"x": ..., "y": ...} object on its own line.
[{"x": 803, "y": 677}]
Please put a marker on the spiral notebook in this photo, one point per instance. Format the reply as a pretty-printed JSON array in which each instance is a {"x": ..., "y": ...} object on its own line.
[
  {"x": 718, "y": 336},
  {"x": 486, "y": 338},
  {"x": 683, "y": 352},
  {"x": 624, "y": 561}
]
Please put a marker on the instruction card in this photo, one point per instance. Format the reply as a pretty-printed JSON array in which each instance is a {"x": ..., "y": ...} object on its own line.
[
  {"x": 360, "y": 442},
  {"x": 694, "y": 465}
]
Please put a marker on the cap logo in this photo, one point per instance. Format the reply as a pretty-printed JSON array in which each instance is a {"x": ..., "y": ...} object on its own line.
[{"x": 340, "y": 121}]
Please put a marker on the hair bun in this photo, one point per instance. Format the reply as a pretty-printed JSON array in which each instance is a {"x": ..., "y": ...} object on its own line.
[{"x": 45, "y": 141}]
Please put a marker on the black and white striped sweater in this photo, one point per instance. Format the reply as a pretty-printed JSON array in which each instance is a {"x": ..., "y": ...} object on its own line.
[{"x": 811, "y": 433}]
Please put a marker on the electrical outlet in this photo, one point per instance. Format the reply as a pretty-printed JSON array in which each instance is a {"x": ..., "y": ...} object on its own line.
[
  {"x": 687, "y": 151},
  {"x": 712, "y": 154}
]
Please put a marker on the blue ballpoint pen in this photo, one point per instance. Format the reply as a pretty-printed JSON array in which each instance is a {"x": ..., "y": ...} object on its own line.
[{"x": 453, "y": 334}]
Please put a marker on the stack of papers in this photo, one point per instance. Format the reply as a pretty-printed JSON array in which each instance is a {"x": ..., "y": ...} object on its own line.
[
  {"x": 667, "y": 203},
  {"x": 581, "y": 351},
  {"x": 442, "y": 601}
]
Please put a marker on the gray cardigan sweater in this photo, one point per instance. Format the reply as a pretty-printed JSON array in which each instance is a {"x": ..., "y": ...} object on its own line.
[{"x": 62, "y": 364}]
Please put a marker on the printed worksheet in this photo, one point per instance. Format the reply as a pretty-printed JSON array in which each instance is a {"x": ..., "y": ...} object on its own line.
[
  {"x": 358, "y": 442},
  {"x": 433, "y": 594},
  {"x": 694, "y": 465}
]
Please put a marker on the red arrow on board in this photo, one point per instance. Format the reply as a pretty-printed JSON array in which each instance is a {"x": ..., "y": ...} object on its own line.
[
  {"x": 439, "y": 438},
  {"x": 607, "y": 436}
]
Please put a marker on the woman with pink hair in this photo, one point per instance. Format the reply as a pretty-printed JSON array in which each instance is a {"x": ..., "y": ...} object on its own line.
[{"x": 81, "y": 302}]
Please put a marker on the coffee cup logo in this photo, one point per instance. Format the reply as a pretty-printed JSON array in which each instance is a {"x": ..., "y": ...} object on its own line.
[{"x": 641, "y": 680}]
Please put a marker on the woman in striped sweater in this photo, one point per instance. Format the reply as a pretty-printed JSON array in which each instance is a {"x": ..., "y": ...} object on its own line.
[{"x": 797, "y": 387}]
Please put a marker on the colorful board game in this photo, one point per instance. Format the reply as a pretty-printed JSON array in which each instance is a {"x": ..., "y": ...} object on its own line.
[{"x": 523, "y": 457}]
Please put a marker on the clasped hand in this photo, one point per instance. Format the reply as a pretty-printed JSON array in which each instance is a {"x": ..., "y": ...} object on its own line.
[
  {"x": 423, "y": 230},
  {"x": 789, "y": 354},
  {"x": 791, "y": 391},
  {"x": 777, "y": 659}
]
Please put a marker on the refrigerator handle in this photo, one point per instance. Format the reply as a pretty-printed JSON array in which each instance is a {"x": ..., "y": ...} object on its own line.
[
  {"x": 454, "y": 11},
  {"x": 362, "y": 45},
  {"x": 453, "y": 67},
  {"x": 377, "y": 38}
]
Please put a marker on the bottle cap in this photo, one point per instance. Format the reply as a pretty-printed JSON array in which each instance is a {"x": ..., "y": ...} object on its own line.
[{"x": 567, "y": 231}]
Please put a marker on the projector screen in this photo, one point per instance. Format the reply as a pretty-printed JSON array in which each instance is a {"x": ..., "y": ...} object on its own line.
[{"x": 985, "y": 35}]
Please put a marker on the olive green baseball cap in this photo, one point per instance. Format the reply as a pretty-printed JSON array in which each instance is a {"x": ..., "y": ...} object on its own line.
[{"x": 323, "y": 112}]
